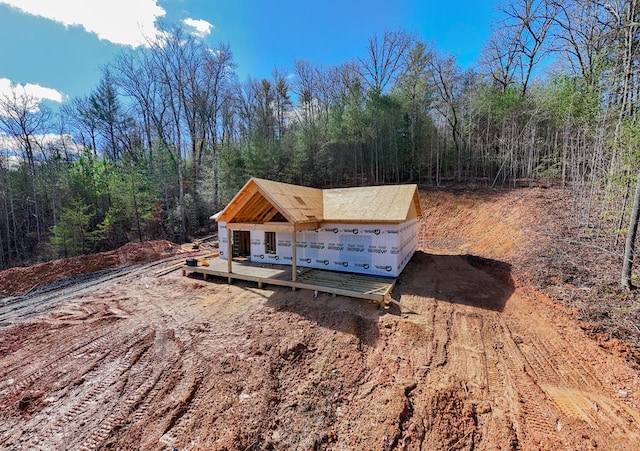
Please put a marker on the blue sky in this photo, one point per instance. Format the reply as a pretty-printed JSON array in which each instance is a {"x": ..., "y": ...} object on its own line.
[{"x": 55, "y": 49}]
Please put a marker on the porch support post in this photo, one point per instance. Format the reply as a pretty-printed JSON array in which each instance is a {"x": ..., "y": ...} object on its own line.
[
  {"x": 294, "y": 255},
  {"x": 229, "y": 252}
]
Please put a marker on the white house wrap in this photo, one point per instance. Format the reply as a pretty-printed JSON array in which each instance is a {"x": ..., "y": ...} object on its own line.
[{"x": 368, "y": 230}]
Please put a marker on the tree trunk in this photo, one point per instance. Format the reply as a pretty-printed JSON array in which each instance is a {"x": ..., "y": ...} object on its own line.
[{"x": 629, "y": 247}]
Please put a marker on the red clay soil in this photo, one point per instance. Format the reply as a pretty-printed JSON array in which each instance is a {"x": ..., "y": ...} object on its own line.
[
  {"x": 18, "y": 280},
  {"x": 476, "y": 358}
]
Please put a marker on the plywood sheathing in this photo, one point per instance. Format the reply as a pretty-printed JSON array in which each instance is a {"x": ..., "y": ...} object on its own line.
[
  {"x": 262, "y": 201},
  {"x": 372, "y": 204},
  {"x": 298, "y": 204}
]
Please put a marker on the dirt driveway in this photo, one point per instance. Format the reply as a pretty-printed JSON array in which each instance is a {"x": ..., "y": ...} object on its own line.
[{"x": 472, "y": 360}]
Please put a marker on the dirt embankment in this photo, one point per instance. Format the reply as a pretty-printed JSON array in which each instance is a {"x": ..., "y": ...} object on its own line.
[
  {"x": 19, "y": 280},
  {"x": 533, "y": 232},
  {"x": 476, "y": 358},
  {"x": 488, "y": 223}
]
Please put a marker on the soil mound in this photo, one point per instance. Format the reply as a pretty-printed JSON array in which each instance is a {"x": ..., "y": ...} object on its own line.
[{"x": 18, "y": 280}]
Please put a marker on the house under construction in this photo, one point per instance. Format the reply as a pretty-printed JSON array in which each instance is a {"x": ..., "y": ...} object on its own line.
[{"x": 344, "y": 241}]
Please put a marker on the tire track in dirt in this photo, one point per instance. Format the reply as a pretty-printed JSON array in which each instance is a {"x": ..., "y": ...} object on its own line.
[
  {"x": 29, "y": 376},
  {"x": 533, "y": 416},
  {"x": 165, "y": 362},
  {"x": 495, "y": 380},
  {"x": 114, "y": 365},
  {"x": 557, "y": 367},
  {"x": 547, "y": 382},
  {"x": 189, "y": 396},
  {"x": 442, "y": 320},
  {"x": 21, "y": 308},
  {"x": 136, "y": 388},
  {"x": 466, "y": 354},
  {"x": 60, "y": 377},
  {"x": 516, "y": 360},
  {"x": 184, "y": 394},
  {"x": 476, "y": 364},
  {"x": 188, "y": 406}
]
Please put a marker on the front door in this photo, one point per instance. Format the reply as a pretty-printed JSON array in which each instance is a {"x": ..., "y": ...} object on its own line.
[{"x": 241, "y": 243}]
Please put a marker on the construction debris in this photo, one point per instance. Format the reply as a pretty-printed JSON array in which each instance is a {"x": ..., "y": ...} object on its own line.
[{"x": 208, "y": 242}]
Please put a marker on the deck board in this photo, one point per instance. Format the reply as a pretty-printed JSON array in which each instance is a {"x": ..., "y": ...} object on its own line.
[{"x": 362, "y": 286}]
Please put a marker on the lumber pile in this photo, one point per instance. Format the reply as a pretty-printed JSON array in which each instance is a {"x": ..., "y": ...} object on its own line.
[{"x": 207, "y": 243}]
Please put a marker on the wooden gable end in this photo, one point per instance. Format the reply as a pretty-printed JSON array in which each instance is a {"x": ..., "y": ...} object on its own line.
[
  {"x": 258, "y": 209},
  {"x": 250, "y": 205},
  {"x": 266, "y": 205}
]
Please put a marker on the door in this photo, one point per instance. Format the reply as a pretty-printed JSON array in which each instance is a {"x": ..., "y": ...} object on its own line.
[{"x": 241, "y": 243}]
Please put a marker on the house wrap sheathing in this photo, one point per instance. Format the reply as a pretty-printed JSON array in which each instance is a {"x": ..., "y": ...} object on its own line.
[{"x": 367, "y": 230}]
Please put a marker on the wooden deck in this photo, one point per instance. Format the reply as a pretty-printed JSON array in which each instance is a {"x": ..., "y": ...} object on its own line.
[{"x": 377, "y": 289}]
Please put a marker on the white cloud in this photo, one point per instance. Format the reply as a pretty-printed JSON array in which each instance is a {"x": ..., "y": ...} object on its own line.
[
  {"x": 11, "y": 161},
  {"x": 65, "y": 142},
  {"x": 44, "y": 143},
  {"x": 200, "y": 27},
  {"x": 8, "y": 142},
  {"x": 39, "y": 93},
  {"x": 125, "y": 22}
]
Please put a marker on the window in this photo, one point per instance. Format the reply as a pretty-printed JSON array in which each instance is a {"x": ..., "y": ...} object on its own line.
[{"x": 269, "y": 242}]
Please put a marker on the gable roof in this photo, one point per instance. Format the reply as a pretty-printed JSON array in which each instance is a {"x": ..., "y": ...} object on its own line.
[{"x": 262, "y": 200}]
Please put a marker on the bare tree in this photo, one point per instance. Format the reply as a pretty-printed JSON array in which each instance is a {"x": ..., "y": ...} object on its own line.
[
  {"x": 385, "y": 59},
  {"x": 306, "y": 88},
  {"x": 500, "y": 58},
  {"x": 520, "y": 41},
  {"x": 447, "y": 79},
  {"x": 136, "y": 75},
  {"x": 168, "y": 68},
  {"x": 580, "y": 35},
  {"x": 217, "y": 76},
  {"x": 536, "y": 18},
  {"x": 630, "y": 244},
  {"x": 627, "y": 27},
  {"x": 82, "y": 122},
  {"x": 23, "y": 118}
]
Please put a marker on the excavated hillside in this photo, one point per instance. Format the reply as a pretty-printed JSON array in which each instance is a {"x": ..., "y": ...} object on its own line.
[{"x": 475, "y": 356}]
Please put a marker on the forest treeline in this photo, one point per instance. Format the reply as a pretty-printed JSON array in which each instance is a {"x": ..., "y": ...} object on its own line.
[{"x": 170, "y": 132}]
